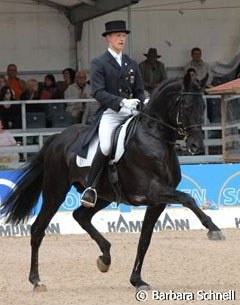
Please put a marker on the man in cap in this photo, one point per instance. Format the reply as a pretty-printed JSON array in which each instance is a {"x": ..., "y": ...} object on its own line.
[
  {"x": 117, "y": 85},
  {"x": 153, "y": 71}
]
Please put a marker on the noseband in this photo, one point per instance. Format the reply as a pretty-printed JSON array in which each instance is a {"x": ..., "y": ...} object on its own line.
[{"x": 180, "y": 129}]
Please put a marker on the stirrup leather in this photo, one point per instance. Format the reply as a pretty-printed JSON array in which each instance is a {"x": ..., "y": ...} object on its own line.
[{"x": 86, "y": 203}]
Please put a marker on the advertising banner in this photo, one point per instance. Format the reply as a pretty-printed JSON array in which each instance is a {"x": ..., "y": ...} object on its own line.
[
  {"x": 118, "y": 222},
  {"x": 211, "y": 185}
]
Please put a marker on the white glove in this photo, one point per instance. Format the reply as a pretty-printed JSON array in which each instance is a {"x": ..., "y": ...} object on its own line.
[
  {"x": 146, "y": 101},
  {"x": 130, "y": 103}
]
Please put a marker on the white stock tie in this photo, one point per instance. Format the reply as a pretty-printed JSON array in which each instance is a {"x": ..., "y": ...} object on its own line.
[{"x": 118, "y": 59}]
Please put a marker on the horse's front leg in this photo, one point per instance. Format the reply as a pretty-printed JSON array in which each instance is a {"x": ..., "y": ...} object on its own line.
[
  {"x": 214, "y": 232},
  {"x": 170, "y": 195},
  {"x": 84, "y": 216},
  {"x": 151, "y": 216}
]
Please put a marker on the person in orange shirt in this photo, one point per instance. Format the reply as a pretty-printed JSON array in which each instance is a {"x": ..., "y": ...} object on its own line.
[{"x": 15, "y": 83}]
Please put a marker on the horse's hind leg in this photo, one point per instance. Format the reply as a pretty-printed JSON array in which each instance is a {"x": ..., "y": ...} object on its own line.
[
  {"x": 151, "y": 216},
  {"x": 84, "y": 216},
  {"x": 49, "y": 207}
]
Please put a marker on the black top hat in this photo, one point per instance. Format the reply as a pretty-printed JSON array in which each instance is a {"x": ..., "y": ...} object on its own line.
[
  {"x": 152, "y": 52},
  {"x": 115, "y": 26}
]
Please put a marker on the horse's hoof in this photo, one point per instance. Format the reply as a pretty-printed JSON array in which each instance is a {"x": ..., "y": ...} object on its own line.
[
  {"x": 215, "y": 235},
  {"x": 40, "y": 288},
  {"x": 143, "y": 288},
  {"x": 102, "y": 266}
]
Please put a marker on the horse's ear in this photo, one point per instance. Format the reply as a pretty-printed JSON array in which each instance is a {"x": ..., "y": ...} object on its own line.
[
  {"x": 203, "y": 81},
  {"x": 187, "y": 81}
]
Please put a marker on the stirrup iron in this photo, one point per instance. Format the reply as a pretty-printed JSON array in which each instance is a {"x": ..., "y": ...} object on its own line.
[{"x": 86, "y": 203}]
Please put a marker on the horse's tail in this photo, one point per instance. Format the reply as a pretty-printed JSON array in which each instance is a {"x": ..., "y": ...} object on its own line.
[{"x": 18, "y": 205}]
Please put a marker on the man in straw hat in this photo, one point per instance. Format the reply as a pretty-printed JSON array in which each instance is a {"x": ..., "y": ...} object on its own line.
[
  {"x": 153, "y": 71},
  {"x": 118, "y": 87}
]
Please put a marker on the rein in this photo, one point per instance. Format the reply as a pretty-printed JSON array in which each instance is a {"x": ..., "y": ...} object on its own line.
[{"x": 181, "y": 130}]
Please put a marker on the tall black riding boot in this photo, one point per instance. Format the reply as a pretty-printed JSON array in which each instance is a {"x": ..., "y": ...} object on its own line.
[{"x": 89, "y": 196}]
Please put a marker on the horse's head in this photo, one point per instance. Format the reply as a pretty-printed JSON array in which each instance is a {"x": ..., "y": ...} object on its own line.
[
  {"x": 178, "y": 107},
  {"x": 190, "y": 115}
]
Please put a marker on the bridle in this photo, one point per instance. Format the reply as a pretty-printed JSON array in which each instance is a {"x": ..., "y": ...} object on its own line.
[
  {"x": 183, "y": 130},
  {"x": 180, "y": 129}
]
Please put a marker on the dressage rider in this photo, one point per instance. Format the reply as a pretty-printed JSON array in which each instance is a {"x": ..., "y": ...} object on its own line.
[{"x": 117, "y": 85}]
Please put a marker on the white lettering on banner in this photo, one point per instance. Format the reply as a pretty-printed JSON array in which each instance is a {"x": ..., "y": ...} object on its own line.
[
  {"x": 229, "y": 193},
  {"x": 122, "y": 225},
  {"x": 231, "y": 196},
  {"x": 198, "y": 194},
  {"x": 24, "y": 229},
  {"x": 114, "y": 221}
]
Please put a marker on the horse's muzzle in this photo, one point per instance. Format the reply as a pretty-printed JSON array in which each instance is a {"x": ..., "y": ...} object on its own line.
[{"x": 195, "y": 144}]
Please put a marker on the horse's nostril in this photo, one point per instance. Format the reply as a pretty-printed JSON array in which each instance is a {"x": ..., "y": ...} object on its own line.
[
  {"x": 196, "y": 150},
  {"x": 193, "y": 149}
]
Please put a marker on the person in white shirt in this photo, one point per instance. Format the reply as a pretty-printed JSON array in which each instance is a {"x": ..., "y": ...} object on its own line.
[
  {"x": 6, "y": 139},
  {"x": 80, "y": 89}
]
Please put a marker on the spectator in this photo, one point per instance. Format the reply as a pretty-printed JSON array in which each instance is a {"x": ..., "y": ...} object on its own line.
[
  {"x": 49, "y": 88},
  {"x": 69, "y": 77},
  {"x": 11, "y": 114},
  {"x": 6, "y": 139},
  {"x": 202, "y": 68},
  {"x": 80, "y": 89},
  {"x": 31, "y": 93},
  {"x": 3, "y": 81},
  {"x": 153, "y": 71},
  {"x": 49, "y": 91},
  {"x": 15, "y": 83}
]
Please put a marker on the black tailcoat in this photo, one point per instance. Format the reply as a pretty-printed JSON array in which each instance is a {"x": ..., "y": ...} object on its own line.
[{"x": 110, "y": 83}]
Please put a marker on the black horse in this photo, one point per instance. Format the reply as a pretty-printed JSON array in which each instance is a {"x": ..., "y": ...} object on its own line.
[{"x": 149, "y": 173}]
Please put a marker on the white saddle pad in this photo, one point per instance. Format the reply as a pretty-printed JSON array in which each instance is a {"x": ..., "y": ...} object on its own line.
[{"x": 82, "y": 162}]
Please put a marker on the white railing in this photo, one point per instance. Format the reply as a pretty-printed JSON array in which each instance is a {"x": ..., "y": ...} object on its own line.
[{"x": 41, "y": 133}]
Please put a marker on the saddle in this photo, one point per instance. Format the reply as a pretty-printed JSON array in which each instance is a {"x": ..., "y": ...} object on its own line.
[{"x": 121, "y": 137}]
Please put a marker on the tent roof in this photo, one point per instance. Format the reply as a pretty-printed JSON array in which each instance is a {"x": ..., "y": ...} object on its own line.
[
  {"x": 72, "y": 2},
  {"x": 231, "y": 87},
  {"x": 78, "y": 11}
]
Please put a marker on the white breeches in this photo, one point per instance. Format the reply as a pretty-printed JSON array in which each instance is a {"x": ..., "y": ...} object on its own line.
[{"x": 109, "y": 121}]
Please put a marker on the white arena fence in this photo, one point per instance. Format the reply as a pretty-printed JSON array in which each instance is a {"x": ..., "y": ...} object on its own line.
[{"x": 212, "y": 131}]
